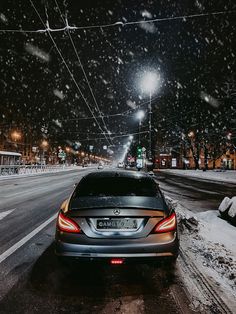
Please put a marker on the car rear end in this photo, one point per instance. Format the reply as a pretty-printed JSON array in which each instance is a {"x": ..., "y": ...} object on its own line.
[{"x": 119, "y": 219}]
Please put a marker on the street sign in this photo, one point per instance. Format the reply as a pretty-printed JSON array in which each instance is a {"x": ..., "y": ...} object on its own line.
[
  {"x": 139, "y": 163},
  {"x": 62, "y": 155},
  {"x": 173, "y": 162}
]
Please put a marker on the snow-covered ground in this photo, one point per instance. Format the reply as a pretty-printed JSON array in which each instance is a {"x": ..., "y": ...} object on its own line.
[
  {"x": 45, "y": 171},
  {"x": 223, "y": 176},
  {"x": 210, "y": 243}
]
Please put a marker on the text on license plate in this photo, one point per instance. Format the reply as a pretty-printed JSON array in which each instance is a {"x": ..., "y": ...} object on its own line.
[{"x": 117, "y": 223}]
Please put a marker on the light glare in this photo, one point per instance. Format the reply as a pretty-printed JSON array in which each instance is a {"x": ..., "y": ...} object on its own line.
[
  {"x": 140, "y": 114},
  {"x": 150, "y": 82}
]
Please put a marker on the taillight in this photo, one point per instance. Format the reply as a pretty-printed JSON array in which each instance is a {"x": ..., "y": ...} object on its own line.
[
  {"x": 66, "y": 224},
  {"x": 117, "y": 261},
  {"x": 166, "y": 225}
]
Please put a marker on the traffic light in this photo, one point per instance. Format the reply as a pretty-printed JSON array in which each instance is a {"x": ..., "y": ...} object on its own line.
[{"x": 139, "y": 152}]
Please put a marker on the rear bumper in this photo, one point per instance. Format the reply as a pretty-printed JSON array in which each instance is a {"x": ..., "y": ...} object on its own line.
[{"x": 151, "y": 247}]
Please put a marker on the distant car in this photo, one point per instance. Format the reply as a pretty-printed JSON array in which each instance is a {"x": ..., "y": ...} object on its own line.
[
  {"x": 84, "y": 164},
  {"x": 116, "y": 217},
  {"x": 120, "y": 165},
  {"x": 100, "y": 166},
  {"x": 151, "y": 173}
]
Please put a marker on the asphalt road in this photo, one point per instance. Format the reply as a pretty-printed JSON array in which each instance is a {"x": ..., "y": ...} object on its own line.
[
  {"x": 32, "y": 280},
  {"x": 193, "y": 193}
]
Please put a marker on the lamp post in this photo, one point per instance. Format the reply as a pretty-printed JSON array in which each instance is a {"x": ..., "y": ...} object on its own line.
[
  {"x": 149, "y": 83},
  {"x": 16, "y": 136},
  {"x": 68, "y": 151},
  {"x": 44, "y": 146},
  {"x": 140, "y": 116}
]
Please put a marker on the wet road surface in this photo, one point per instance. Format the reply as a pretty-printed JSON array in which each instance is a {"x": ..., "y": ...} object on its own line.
[
  {"x": 53, "y": 288},
  {"x": 32, "y": 279}
]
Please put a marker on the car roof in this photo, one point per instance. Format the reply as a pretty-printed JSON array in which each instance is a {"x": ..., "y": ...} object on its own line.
[{"x": 119, "y": 173}]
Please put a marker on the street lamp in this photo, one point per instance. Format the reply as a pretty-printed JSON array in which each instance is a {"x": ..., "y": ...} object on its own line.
[
  {"x": 140, "y": 116},
  {"x": 149, "y": 83},
  {"x": 44, "y": 146},
  {"x": 16, "y": 136},
  {"x": 191, "y": 134}
]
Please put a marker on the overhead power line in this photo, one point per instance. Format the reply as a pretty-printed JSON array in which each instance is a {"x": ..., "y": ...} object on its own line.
[
  {"x": 121, "y": 23},
  {"x": 117, "y": 136},
  {"x": 65, "y": 21},
  {"x": 68, "y": 69}
]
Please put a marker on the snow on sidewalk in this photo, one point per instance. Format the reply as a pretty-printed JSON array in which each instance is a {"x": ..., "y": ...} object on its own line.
[
  {"x": 36, "y": 173},
  {"x": 211, "y": 244},
  {"x": 228, "y": 176}
]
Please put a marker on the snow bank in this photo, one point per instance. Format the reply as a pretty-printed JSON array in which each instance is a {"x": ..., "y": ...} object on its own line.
[
  {"x": 228, "y": 176},
  {"x": 210, "y": 243},
  {"x": 232, "y": 210},
  {"x": 227, "y": 209}
]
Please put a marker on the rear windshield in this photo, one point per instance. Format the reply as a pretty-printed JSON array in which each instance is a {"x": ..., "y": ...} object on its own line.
[{"x": 116, "y": 186}]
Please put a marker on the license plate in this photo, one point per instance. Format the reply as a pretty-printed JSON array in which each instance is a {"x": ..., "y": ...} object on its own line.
[{"x": 117, "y": 223}]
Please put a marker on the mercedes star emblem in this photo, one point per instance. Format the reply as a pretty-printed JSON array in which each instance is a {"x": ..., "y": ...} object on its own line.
[{"x": 116, "y": 211}]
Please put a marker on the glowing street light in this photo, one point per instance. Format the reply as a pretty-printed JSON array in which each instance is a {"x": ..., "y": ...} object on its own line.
[
  {"x": 15, "y": 136},
  {"x": 191, "y": 134},
  {"x": 44, "y": 144},
  {"x": 140, "y": 114},
  {"x": 229, "y": 136},
  {"x": 150, "y": 82}
]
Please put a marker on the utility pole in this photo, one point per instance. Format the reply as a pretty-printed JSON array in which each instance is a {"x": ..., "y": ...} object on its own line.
[{"x": 150, "y": 127}]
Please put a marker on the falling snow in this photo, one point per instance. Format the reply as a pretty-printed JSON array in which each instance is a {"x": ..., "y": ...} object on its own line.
[
  {"x": 58, "y": 94},
  {"x": 37, "y": 52},
  {"x": 43, "y": 80}
]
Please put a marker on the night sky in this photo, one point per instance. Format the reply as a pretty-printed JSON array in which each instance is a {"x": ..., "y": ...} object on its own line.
[{"x": 43, "y": 76}]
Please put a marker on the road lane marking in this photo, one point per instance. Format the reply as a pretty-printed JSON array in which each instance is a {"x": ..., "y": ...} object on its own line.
[
  {"x": 7, "y": 212},
  {"x": 33, "y": 190},
  {"x": 20, "y": 243}
]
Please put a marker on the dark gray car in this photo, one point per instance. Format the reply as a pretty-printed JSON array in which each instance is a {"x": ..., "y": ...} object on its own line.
[{"x": 116, "y": 216}]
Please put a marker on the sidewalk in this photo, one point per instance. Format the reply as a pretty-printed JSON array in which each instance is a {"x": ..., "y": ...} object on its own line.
[
  {"x": 56, "y": 170},
  {"x": 228, "y": 176}
]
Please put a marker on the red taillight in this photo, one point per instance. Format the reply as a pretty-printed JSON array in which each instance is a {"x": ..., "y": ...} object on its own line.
[
  {"x": 66, "y": 224},
  {"x": 166, "y": 225},
  {"x": 117, "y": 261}
]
